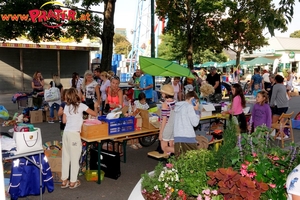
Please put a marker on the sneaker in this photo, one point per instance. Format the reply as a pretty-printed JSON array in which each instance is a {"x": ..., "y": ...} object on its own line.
[{"x": 51, "y": 122}]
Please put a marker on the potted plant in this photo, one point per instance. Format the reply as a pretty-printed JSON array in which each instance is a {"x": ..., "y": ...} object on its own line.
[{"x": 246, "y": 166}]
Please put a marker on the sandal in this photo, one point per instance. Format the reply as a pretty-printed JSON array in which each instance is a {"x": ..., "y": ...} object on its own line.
[
  {"x": 74, "y": 185},
  {"x": 139, "y": 145},
  {"x": 65, "y": 184},
  {"x": 134, "y": 146}
]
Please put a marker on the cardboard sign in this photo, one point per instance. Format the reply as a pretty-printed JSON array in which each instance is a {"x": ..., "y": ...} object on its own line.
[{"x": 146, "y": 123}]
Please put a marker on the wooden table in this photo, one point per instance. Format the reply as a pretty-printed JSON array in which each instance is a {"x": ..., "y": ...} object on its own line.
[{"x": 120, "y": 137}]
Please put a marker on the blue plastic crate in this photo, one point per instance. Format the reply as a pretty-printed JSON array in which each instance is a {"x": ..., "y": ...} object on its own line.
[
  {"x": 296, "y": 124},
  {"x": 120, "y": 125}
]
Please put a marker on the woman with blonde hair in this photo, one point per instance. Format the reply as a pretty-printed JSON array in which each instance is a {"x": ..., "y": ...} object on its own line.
[
  {"x": 114, "y": 94},
  {"x": 105, "y": 83},
  {"x": 90, "y": 91}
]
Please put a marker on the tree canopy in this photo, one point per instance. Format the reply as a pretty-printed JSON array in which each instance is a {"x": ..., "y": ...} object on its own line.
[
  {"x": 122, "y": 45},
  {"x": 214, "y": 25},
  {"x": 295, "y": 34},
  {"x": 43, "y": 20},
  {"x": 170, "y": 49}
]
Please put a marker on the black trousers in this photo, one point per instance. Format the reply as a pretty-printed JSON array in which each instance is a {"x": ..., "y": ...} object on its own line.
[{"x": 242, "y": 122}]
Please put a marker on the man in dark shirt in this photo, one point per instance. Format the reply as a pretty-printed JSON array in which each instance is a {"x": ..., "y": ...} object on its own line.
[{"x": 214, "y": 79}]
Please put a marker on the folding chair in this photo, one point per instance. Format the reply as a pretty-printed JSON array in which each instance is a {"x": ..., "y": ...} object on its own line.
[{"x": 284, "y": 121}]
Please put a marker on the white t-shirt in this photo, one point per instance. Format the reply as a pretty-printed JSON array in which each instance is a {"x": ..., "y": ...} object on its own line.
[
  {"x": 90, "y": 91},
  {"x": 293, "y": 183},
  {"x": 176, "y": 90},
  {"x": 266, "y": 77},
  {"x": 138, "y": 105},
  {"x": 74, "y": 120},
  {"x": 290, "y": 82},
  {"x": 103, "y": 87}
]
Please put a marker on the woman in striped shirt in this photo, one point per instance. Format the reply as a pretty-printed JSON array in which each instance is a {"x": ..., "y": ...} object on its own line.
[{"x": 166, "y": 134}]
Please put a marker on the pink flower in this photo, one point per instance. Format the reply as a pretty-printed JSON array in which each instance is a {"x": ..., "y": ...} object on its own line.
[
  {"x": 247, "y": 162},
  {"x": 272, "y": 185},
  {"x": 199, "y": 197},
  {"x": 169, "y": 165},
  {"x": 244, "y": 166},
  {"x": 207, "y": 191},
  {"x": 244, "y": 172},
  {"x": 275, "y": 158},
  {"x": 282, "y": 170},
  {"x": 254, "y": 154},
  {"x": 251, "y": 175},
  {"x": 215, "y": 192},
  {"x": 180, "y": 192},
  {"x": 207, "y": 198}
]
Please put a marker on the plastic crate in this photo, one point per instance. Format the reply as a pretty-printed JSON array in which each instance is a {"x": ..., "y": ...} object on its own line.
[
  {"x": 120, "y": 125},
  {"x": 296, "y": 124},
  {"x": 92, "y": 175}
]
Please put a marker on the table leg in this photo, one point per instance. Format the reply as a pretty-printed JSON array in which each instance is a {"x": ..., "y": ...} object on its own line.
[
  {"x": 41, "y": 181},
  {"x": 99, "y": 163},
  {"x": 124, "y": 144}
]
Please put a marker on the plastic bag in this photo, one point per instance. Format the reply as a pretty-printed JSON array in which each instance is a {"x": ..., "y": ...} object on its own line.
[{"x": 3, "y": 113}]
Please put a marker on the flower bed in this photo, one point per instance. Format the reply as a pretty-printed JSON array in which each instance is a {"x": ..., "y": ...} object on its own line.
[{"x": 247, "y": 166}]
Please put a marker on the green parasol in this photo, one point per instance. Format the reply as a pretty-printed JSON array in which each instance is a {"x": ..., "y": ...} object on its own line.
[
  {"x": 161, "y": 67},
  {"x": 209, "y": 64},
  {"x": 258, "y": 61}
]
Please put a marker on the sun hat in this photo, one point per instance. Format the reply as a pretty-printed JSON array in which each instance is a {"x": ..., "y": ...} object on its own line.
[{"x": 167, "y": 89}]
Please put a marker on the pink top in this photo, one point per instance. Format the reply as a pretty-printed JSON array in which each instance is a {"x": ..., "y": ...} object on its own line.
[
  {"x": 112, "y": 99},
  {"x": 236, "y": 107}
]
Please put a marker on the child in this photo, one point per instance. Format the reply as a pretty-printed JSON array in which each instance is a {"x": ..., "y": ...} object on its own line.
[
  {"x": 61, "y": 111},
  {"x": 126, "y": 99},
  {"x": 238, "y": 103},
  {"x": 184, "y": 122},
  {"x": 139, "y": 104},
  {"x": 166, "y": 133},
  {"x": 72, "y": 117},
  {"x": 261, "y": 112},
  {"x": 256, "y": 89}
]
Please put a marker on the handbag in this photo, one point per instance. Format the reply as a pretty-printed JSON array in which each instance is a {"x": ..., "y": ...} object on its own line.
[
  {"x": 28, "y": 141},
  {"x": 52, "y": 94},
  {"x": 110, "y": 162}
]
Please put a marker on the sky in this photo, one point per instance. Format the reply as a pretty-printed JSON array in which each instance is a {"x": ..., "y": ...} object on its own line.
[
  {"x": 125, "y": 16},
  {"x": 126, "y": 12}
]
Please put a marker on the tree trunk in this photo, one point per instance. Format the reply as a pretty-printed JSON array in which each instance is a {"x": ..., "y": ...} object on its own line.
[
  {"x": 108, "y": 34},
  {"x": 189, "y": 54},
  {"x": 238, "y": 58}
]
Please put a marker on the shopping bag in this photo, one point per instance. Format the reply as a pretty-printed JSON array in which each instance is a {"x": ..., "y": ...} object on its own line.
[
  {"x": 52, "y": 94},
  {"x": 3, "y": 113},
  {"x": 28, "y": 141},
  {"x": 110, "y": 163}
]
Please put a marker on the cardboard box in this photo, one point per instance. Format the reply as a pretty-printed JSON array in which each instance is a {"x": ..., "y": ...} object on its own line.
[
  {"x": 54, "y": 160},
  {"x": 46, "y": 116},
  {"x": 36, "y": 116},
  {"x": 138, "y": 121},
  {"x": 206, "y": 110},
  {"x": 94, "y": 131},
  {"x": 146, "y": 123}
]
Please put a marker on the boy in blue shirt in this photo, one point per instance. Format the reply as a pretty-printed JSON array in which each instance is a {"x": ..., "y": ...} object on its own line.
[{"x": 146, "y": 85}]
